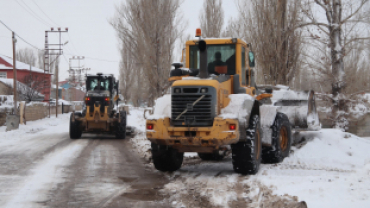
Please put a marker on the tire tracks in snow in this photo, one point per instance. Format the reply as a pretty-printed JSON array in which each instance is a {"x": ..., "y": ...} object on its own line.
[{"x": 45, "y": 176}]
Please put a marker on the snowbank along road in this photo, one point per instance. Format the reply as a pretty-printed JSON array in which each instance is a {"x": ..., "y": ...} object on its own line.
[{"x": 42, "y": 167}]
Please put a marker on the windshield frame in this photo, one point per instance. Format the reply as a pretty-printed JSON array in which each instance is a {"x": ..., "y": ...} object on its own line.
[
  {"x": 231, "y": 64},
  {"x": 106, "y": 79}
]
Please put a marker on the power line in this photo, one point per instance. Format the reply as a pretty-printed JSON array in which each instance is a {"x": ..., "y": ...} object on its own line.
[
  {"x": 34, "y": 16},
  {"x": 44, "y": 12},
  {"x": 19, "y": 36},
  {"x": 73, "y": 45}
]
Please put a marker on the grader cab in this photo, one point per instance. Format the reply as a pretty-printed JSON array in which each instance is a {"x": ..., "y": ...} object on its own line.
[
  {"x": 215, "y": 102},
  {"x": 100, "y": 113}
]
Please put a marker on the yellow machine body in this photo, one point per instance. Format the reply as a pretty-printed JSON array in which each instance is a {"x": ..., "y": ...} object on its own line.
[{"x": 205, "y": 139}]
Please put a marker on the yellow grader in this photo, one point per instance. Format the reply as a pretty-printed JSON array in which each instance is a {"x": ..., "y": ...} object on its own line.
[
  {"x": 215, "y": 102},
  {"x": 98, "y": 114}
]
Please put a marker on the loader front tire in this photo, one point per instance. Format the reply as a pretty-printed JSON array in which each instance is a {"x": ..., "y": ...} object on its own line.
[
  {"x": 246, "y": 156},
  {"x": 166, "y": 158},
  {"x": 75, "y": 130},
  {"x": 121, "y": 126},
  {"x": 215, "y": 156},
  {"x": 281, "y": 140}
]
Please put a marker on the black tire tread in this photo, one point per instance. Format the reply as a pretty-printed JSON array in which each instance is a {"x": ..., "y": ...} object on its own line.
[
  {"x": 121, "y": 126},
  {"x": 166, "y": 158},
  {"x": 75, "y": 130},
  {"x": 244, "y": 157},
  {"x": 274, "y": 154}
]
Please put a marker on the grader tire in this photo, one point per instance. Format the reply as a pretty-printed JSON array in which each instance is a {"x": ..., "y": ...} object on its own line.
[
  {"x": 216, "y": 156},
  {"x": 121, "y": 126},
  {"x": 281, "y": 138},
  {"x": 166, "y": 158},
  {"x": 246, "y": 156},
  {"x": 75, "y": 130}
]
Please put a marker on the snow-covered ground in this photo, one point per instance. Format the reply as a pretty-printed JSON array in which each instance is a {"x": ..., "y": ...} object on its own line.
[{"x": 329, "y": 169}]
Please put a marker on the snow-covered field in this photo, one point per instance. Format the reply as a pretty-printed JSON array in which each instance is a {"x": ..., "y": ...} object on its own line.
[{"x": 329, "y": 169}]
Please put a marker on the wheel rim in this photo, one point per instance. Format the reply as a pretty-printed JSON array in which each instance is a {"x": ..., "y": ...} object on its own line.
[
  {"x": 283, "y": 138},
  {"x": 258, "y": 143}
]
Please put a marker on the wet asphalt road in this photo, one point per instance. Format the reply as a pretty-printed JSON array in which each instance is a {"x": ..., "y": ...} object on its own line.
[{"x": 94, "y": 171}]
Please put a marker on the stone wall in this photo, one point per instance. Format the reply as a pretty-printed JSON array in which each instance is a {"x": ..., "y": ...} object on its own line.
[{"x": 37, "y": 111}]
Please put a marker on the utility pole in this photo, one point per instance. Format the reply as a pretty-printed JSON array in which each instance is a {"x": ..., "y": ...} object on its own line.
[
  {"x": 75, "y": 74},
  {"x": 53, "y": 49},
  {"x": 14, "y": 77}
]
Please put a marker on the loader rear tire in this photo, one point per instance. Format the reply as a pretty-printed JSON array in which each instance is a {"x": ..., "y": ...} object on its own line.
[
  {"x": 246, "y": 156},
  {"x": 166, "y": 158},
  {"x": 121, "y": 126},
  {"x": 75, "y": 130},
  {"x": 281, "y": 140},
  {"x": 216, "y": 156}
]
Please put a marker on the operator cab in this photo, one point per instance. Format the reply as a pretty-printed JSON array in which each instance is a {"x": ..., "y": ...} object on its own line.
[
  {"x": 100, "y": 90},
  {"x": 99, "y": 84},
  {"x": 221, "y": 59}
]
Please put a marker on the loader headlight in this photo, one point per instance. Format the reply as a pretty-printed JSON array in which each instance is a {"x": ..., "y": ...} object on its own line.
[
  {"x": 204, "y": 90},
  {"x": 177, "y": 90}
]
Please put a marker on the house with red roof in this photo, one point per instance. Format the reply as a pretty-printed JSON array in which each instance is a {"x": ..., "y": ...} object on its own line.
[{"x": 27, "y": 74}]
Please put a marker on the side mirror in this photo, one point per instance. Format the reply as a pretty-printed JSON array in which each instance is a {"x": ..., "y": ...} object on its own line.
[{"x": 251, "y": 59}]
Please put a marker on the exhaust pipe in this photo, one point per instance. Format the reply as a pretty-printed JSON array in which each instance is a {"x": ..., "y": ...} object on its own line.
[{"x": 203, "y": 62}]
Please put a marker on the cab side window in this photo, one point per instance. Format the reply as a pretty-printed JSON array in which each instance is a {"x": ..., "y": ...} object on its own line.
[{"x": 243, "y": 66}]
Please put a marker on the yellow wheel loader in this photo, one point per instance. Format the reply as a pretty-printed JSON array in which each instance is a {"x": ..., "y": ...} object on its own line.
[
  {"x": 99, "y": 114},
  {"x": 215, "y": 103}
]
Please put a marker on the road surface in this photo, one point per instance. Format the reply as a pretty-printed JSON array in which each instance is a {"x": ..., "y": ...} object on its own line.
[
  {"x": 42, "y": 167},
  {"x": 94, "y": 171}
]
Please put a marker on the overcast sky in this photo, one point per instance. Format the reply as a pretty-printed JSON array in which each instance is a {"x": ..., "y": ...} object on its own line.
[{"x": 90, "y": 33}]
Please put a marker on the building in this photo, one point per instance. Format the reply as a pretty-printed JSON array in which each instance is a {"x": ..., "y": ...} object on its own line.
[
  {"x": 70, "y": 91},
  {"x": 24, "y": 92},
  {"x": 30, "y": 76}
]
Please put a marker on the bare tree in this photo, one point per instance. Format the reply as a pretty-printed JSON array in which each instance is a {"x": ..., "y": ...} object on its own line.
[
  {"x": 27, "y": 55},
  {"x": 40, "y": 59},
  {"x": 212, "y": 18},
  {"x": 235, "y": 28},
  {"x": 127, "y": 67},
  {"x": 267, "y": 25},
  {"x": 338, "y": 33},
  {"x": 148, "y": 31},
  {"x": 31, "y": 87}
]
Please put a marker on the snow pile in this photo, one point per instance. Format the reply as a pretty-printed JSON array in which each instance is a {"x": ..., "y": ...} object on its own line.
[
  {"x": 282, "y": 92},
  {"x": 37, "y": 103},
  {"x": 162, "y": 108},
  {"x": 332, "y": 170},
  {"x": 6, "y": 100},
  {"x": 239, "y": 107},
  {"x": 206, "y": 185},
  {"x": 140, "y": 142}
]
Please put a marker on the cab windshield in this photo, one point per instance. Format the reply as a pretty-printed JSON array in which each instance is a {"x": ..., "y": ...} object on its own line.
[
  {"x": 217, "y": 56},
  {"x": 97, "y": 83}
]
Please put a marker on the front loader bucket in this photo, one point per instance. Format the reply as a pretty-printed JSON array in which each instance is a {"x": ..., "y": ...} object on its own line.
[{"x": 299, "y": 106}]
